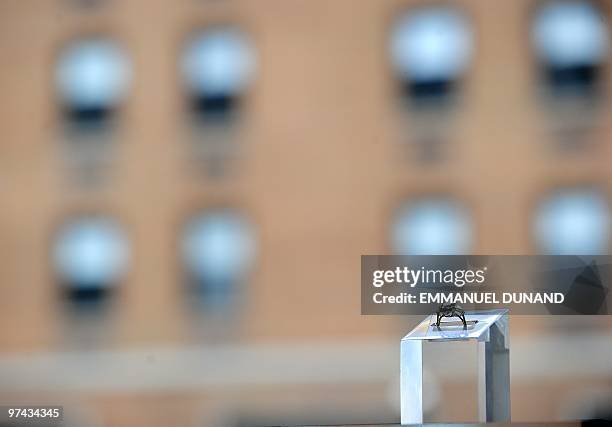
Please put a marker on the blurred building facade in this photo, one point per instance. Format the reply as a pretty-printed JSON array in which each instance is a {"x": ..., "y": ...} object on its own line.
[{"x": 188, "y": 187}]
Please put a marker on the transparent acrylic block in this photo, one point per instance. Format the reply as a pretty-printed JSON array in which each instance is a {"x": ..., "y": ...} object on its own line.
[{"x": 489, "y": 332}]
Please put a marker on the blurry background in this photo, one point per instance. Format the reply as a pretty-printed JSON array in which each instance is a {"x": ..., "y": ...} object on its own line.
[{"x": 187, "y": 187}]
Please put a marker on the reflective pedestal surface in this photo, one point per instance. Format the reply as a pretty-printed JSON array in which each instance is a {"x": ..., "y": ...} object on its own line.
[{"x": 489, "y": 331}]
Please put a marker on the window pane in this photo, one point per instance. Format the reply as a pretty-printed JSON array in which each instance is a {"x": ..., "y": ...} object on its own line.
[
  {"x": 432, "y": 227},
  {"x": 573, "y": 222}
]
